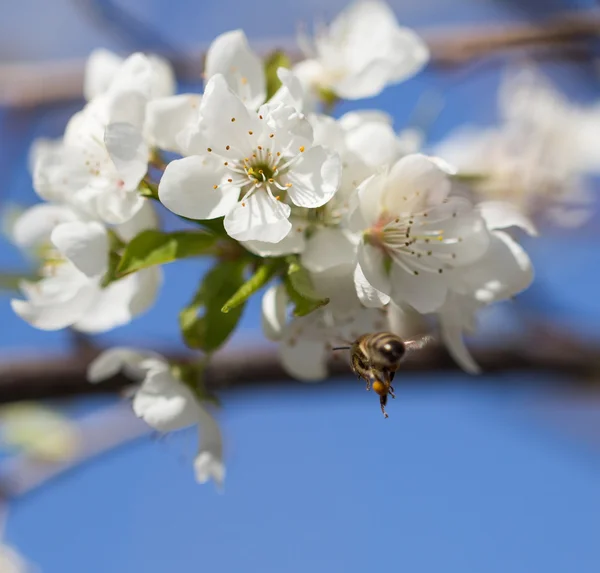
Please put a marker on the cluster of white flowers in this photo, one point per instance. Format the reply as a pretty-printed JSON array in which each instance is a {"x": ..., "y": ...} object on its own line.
[
  {"x": 342, "y": 219},
  {"x": 538, "y": 157}
]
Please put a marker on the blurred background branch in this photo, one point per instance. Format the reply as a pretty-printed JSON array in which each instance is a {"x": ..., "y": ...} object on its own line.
[
  {"x": 568, "y": 36},
  {"x": 260, "y": 367}
]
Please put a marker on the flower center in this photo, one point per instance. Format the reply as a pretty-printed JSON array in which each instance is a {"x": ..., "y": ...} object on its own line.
[
  {"x": 412, "y": 242},
  {"x": 261, "y": 171}
]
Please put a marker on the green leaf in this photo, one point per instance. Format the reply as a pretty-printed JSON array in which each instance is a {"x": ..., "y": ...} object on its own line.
[
  {"x": 151, "y": 248},
  {"x": 274, "y": 61},
  {"x": 260, "y": 278},
  {"x": 202, "y": 323},
  {"x": 148, "y": 189},
  {"x": 300, "y": 289},
  {"x": 111, "y": 274}
]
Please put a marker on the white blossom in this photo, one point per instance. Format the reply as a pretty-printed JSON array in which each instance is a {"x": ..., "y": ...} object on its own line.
[
  {"x": 538, "y": 157},
  {"x": 413, "y": 233},
  {"x": 361, "y": 52},
  {"x": 172, "y": 121},
  {"x": 503, "y": 272},
  {"x": 104, "y": 153},
  {"x": 249, "y": 167},
  {"x": 74, "y": 253},
  {"x": 165, "y": 403}
]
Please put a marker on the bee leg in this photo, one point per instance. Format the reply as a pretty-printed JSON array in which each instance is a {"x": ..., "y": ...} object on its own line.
[
  {"x": 392, "y": 392},
  {"x": 383, "y": 402}
]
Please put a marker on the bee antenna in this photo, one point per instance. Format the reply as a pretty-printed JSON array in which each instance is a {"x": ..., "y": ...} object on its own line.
[{"x": 342, "y": 348}]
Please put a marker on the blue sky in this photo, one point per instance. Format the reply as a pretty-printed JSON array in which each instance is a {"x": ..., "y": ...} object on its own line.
[{"x": 460, "y": 478}]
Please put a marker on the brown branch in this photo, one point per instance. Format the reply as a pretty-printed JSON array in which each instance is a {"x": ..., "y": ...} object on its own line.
[
  {"x": 568, "y": 35},
  {"x": 241, "y": 369}
]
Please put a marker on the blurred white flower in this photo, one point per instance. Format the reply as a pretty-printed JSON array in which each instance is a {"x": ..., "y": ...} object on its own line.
[
  {"x": 104, "y": 153},
  {"x": 537, "y": 158},
  {"x": 361, "y": 52},
  {"x": 248, "y": 166},
  {"x": 165, "y": 403},
  {"x": 75, "y": 254},
  {"x": 413, "y": 234},
  {"x": 12, "y": 562},
  {"x": 503, "y": 272}
]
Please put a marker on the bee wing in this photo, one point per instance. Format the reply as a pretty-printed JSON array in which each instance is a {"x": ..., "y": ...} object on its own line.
[{"x": 418, "y": 342}]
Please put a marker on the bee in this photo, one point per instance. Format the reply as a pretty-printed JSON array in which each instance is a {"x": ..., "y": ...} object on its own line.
[{"x": 375, "y": 357}]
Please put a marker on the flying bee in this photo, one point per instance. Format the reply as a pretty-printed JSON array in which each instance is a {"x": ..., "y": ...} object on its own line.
[{"x": 375, "y": 357}]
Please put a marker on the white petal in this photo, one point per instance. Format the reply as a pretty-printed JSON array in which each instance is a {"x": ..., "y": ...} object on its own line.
[
  {"x": 259, "y": 217},
  {"x": 354, "y": 119},
  {"x": 291, "y": 92},
  {"x": 293, "y": 242},
  {"x": 426, "y": 292},
  {"x": 274, "y": 311},
  {"x": 114, "y": 204},
  {"x": 501, "y": 215},
  {"x": 409, "y": 53},
  {"x": 164, "y": 402},
  {"x": 366, "y": 208},
  {"x": 326, "y": 248},
  {"x": 415, "y": 179},
  {"x": 304, "y": 359},
  {"x": 369, "y": 82},
  {"x": 134, "y": 75},
  {"x": 121, "y": 301},
  {"x": 167, "y": 118},
  {"x": 374, "y": 142},
  {"x": 84, "y": 244},
  {"x": 148, "y": 284},
  {"x": 226, "y": 122},
  {"x": 230, "y": 55},
  {"x": 129, "y": 152},
  {"x": 372, "y": 264},
  {"x": 47, "y": 310},
  {"x": 145, "y": 218},
  {"x": 187, "y": 188},
  {"x": 163, "y": 77},
  {"x": 126, "y": 107},
  {"x": 110, "y": 308},
  {"x": 503, "y": 272},
  {"x": 367, "y": 294},
  {"x": 209, "y": 461},
  {"x": 100, "y": 69},
  {"x": 110, "y": 362},
  {"x": 37, "y": 223},
  {"x": 315, "y": 177},
  {"x": 452, "y": 319}
]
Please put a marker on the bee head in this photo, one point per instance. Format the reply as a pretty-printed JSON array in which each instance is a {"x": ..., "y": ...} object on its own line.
[{"x": 393, "y": 350}]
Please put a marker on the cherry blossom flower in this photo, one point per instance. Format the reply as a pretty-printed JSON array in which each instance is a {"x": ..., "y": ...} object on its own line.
[
  {"x": 413, "y": 233},
  {"x": 247, "y": 166},
  {"x": 361, "y": 52},
  {"x": 75, "y": 255},
  {"x": 104, "y": 154},
  {"x": 165, "y": 403}
]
